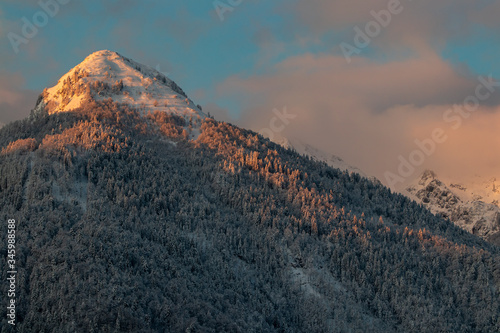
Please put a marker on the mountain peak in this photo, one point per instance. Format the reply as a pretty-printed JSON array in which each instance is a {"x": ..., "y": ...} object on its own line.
[
  {"x": 107, "y": 74},
  {"x": 104, "y": 53},
  {"x": 428, "y": 175},
  {"x": 101, "y": 57},
  {"x": 472, "y": 206}
]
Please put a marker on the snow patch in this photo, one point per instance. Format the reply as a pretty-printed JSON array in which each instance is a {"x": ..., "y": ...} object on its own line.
[
  {"x": 77, "y": 193},
  {"x": 301, "y": 278}
]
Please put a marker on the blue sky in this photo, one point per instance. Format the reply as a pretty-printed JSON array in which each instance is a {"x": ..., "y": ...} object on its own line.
[{"x": 274, "y": 54}]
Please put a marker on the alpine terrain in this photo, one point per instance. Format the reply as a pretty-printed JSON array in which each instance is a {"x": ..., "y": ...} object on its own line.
[
  {"x": 473, "y": 205},
  {"x": 135, "y": 212}
]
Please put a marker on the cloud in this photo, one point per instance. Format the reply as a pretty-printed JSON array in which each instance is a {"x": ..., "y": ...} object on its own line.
[
  {"x": 368, "y": 113},
  {"x": 487, "y": 15},
  {"x": 15, "y": 101},
  {"x": 184, "y": 26},
  {"x": 422, "y": 25},
  {"x": 218, "y": 112}
]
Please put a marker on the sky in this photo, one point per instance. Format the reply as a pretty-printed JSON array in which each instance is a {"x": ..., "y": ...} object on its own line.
[{"x": 393, "y": 87}]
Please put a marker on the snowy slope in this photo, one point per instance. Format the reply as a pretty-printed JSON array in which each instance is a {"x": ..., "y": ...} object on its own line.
[
  {"x": 473, "y": 205},
  {"x": 106, "y": 74}
]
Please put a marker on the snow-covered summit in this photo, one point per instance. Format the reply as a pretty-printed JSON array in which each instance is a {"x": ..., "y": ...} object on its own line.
[{"x": 107, "y": 74}]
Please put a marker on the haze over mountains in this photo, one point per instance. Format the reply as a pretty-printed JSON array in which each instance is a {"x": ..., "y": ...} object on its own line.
[{"x": 137, "y": 213}]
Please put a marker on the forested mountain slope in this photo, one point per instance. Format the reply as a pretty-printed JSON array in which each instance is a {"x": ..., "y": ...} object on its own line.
[{"x": 125, "y": 224}]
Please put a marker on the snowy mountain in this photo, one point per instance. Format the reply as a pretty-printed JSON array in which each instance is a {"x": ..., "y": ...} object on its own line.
[
  {"x": 124, "y": 223},
  {"x": 106, "y": 74},
  {"x": 473, "y": 206}
]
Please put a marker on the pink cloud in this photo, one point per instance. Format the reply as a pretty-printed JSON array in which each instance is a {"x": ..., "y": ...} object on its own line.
[
  {"x": 421, "y": 26},
  {"x": 15, "y": 101},
  {"x": 368, "y": 113}
]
